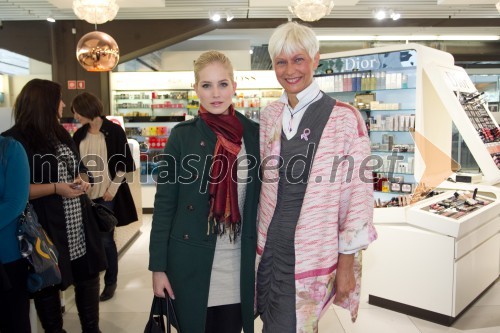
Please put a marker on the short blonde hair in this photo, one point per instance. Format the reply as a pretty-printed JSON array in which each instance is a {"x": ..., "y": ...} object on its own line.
[
  {"x": 291, "y": 37},
  {"x": 208, "y": 58}
]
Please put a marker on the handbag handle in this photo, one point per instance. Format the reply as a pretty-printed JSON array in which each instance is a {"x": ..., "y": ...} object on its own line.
[{"x": 164, "y": 307}]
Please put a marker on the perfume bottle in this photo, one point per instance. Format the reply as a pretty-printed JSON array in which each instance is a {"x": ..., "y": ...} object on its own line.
[{"x": 382, "y": 80}]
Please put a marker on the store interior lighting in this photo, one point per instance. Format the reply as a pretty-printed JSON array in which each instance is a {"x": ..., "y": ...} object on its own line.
[
  {"x": 229, "y": 15},
  {"x": 214, "y": 16},
  {"x": 380, "y": 14},
  {"x": 395, "y": 16},
  {"x": 311, "y": 10},
  {"x": 51, "y": 19},
  {"x": 498, "y": 6},
  {"x": 411, "y": 38},
  {"x": 95, "y": 11}
]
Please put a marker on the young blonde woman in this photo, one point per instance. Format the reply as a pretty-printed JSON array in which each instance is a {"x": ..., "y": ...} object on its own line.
[{"x": 203, "y": 236}]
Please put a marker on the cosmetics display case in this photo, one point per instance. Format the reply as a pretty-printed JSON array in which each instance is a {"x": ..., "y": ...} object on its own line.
[{"x": 435, "y": 255}]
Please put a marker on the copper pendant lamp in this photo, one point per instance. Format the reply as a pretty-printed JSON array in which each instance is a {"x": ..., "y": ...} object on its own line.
[{"x": 97, "y": 52}]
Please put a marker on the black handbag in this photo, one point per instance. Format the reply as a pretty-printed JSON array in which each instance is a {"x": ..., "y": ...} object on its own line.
[
  {"x": 104, "y": 217},
  {"x": 161, "y": 309}
]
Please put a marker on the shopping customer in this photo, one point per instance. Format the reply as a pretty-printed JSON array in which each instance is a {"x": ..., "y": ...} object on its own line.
[
  {"x": 57, "y": 182},
  {"x": 312, "y": 221},
  {"x": 14, "y": 188},
  {"x": 105, "y": 152},
  {"x": 203, "y": 236}
]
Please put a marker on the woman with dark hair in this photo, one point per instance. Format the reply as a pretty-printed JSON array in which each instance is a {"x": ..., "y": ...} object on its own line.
[
  {"x": 57, "y": 181},
  {"x": 105, "y": 151},
  {"x": 14, "y": 186}
]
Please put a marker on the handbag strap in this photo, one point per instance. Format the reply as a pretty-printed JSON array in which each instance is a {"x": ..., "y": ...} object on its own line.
[{"x": 157, "y": 310}]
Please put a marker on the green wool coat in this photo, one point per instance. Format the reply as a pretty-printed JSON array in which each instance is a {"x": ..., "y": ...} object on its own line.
[{"x": 179, "y": 244}]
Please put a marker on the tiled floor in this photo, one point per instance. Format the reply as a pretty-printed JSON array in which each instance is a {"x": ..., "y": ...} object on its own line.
[{"x": 127, "y": 312}]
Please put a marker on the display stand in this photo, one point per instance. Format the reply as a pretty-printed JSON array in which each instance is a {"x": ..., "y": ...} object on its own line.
[{"x": 426, "y": 263}]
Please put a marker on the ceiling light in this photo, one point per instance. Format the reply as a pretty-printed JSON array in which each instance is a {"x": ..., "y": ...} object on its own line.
[
  {"x": 498, "y": 6},
  {"x": 51, "y": 19},
  {"x": 97, "y": 52},
  {"x": 250, "y": 51},
  {"x": 380, "y": 14},
  {"x": 395, "y": 16},
  {"x": 214, "y": 16},
  {"x": 95, "y": 11},
  {"x": 229, "y": 15},
  {"x": 311, "y": 10}
]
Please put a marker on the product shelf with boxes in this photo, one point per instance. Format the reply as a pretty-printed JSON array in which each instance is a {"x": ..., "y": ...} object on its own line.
[
  {"x": 150, "y": 103},
  {"x": 440, "y": 246},
  {"x": 385, "y": 93},
  {"x": 251, "y": 102}
]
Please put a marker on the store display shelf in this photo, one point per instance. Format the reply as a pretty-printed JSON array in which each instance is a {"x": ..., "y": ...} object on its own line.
[
  {"x": 394, "y": 173},
  {"x": 172, "y": 108},
  {"x": 389, "y": 215},
  {"x": 386, "y": 110},
  {"x": 391, "y": 193},
  {"x": 393, "y": 152},
  {"x": 122, "y": 109},
  {"x": 366, "y": 91},
  {"x": 420, "y": 216},
  {"x": 154, "y": 119}
]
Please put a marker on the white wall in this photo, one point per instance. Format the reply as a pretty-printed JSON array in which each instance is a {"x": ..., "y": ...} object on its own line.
[{"x": 175, "y": 58}]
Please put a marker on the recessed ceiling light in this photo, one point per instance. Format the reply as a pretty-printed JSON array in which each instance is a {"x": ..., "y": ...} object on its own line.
[
  {"x": 380, "y": 15},
  {"x": 51, "y": 19}
]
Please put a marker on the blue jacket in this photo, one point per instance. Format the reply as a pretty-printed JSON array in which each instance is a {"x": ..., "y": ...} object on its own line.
[{"x": 14, "y": 190}]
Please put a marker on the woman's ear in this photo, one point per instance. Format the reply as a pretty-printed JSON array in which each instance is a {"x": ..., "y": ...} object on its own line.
[{"x": 316, "y": 60}]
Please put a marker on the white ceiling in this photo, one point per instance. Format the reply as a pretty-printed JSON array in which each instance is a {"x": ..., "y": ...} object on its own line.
[{"x": 19, "y": 10}]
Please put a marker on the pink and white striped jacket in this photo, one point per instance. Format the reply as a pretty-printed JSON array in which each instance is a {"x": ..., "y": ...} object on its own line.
[{"x": 336, "y": 215}]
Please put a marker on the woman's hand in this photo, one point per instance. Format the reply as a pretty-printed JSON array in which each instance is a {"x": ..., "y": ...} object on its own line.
[
  {"x": 107, "y": 196},
  {"x": 82, "y": 185},
  {"x": 344, "y": 280},
  {"x": 68, "y": 190},
  {"x": 160, "y": 283}
]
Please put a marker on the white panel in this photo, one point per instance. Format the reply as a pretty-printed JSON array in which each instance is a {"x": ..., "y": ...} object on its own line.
[
  {"x": 286, "y": 3},
  {"x": 475, "y": 272},
  {"x": 148, "y": 196},
  {"x": 178, "y": 60},
  {"x": 121, "y": 3},
  {"x": 477, "y": 237},
  {"x": 410, "y": 266},
  {"x": 466, "y": 2}
]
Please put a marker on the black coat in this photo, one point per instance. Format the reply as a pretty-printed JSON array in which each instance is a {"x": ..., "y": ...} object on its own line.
[
  {"x": 50, "y": 211},
  {"x": 119, "y": 159}
]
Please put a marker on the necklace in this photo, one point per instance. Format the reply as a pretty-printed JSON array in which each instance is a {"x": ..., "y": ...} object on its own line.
[{"x": 294, "y": 113}]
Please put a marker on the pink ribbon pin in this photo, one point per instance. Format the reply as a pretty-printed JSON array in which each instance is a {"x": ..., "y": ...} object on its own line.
[{"x": 305, "y": 134}]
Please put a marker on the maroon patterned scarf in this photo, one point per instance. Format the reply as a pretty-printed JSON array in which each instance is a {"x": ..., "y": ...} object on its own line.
[{"x": 223, "y": 187}]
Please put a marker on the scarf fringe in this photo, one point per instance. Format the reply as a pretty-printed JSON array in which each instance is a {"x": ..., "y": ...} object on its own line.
[{"x": 221, "y": 227}]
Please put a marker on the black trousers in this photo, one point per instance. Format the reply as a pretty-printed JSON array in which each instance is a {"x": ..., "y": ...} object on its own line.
[
  {"x": 224, "y": 319},
  {"x": 14, "y": 302}
]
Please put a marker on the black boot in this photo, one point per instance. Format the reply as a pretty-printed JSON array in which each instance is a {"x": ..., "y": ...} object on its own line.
[
  {"x": 108, "y": 292},
  {"x": 87, "y": 303},
  {"x": 48, "y": 308}
]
